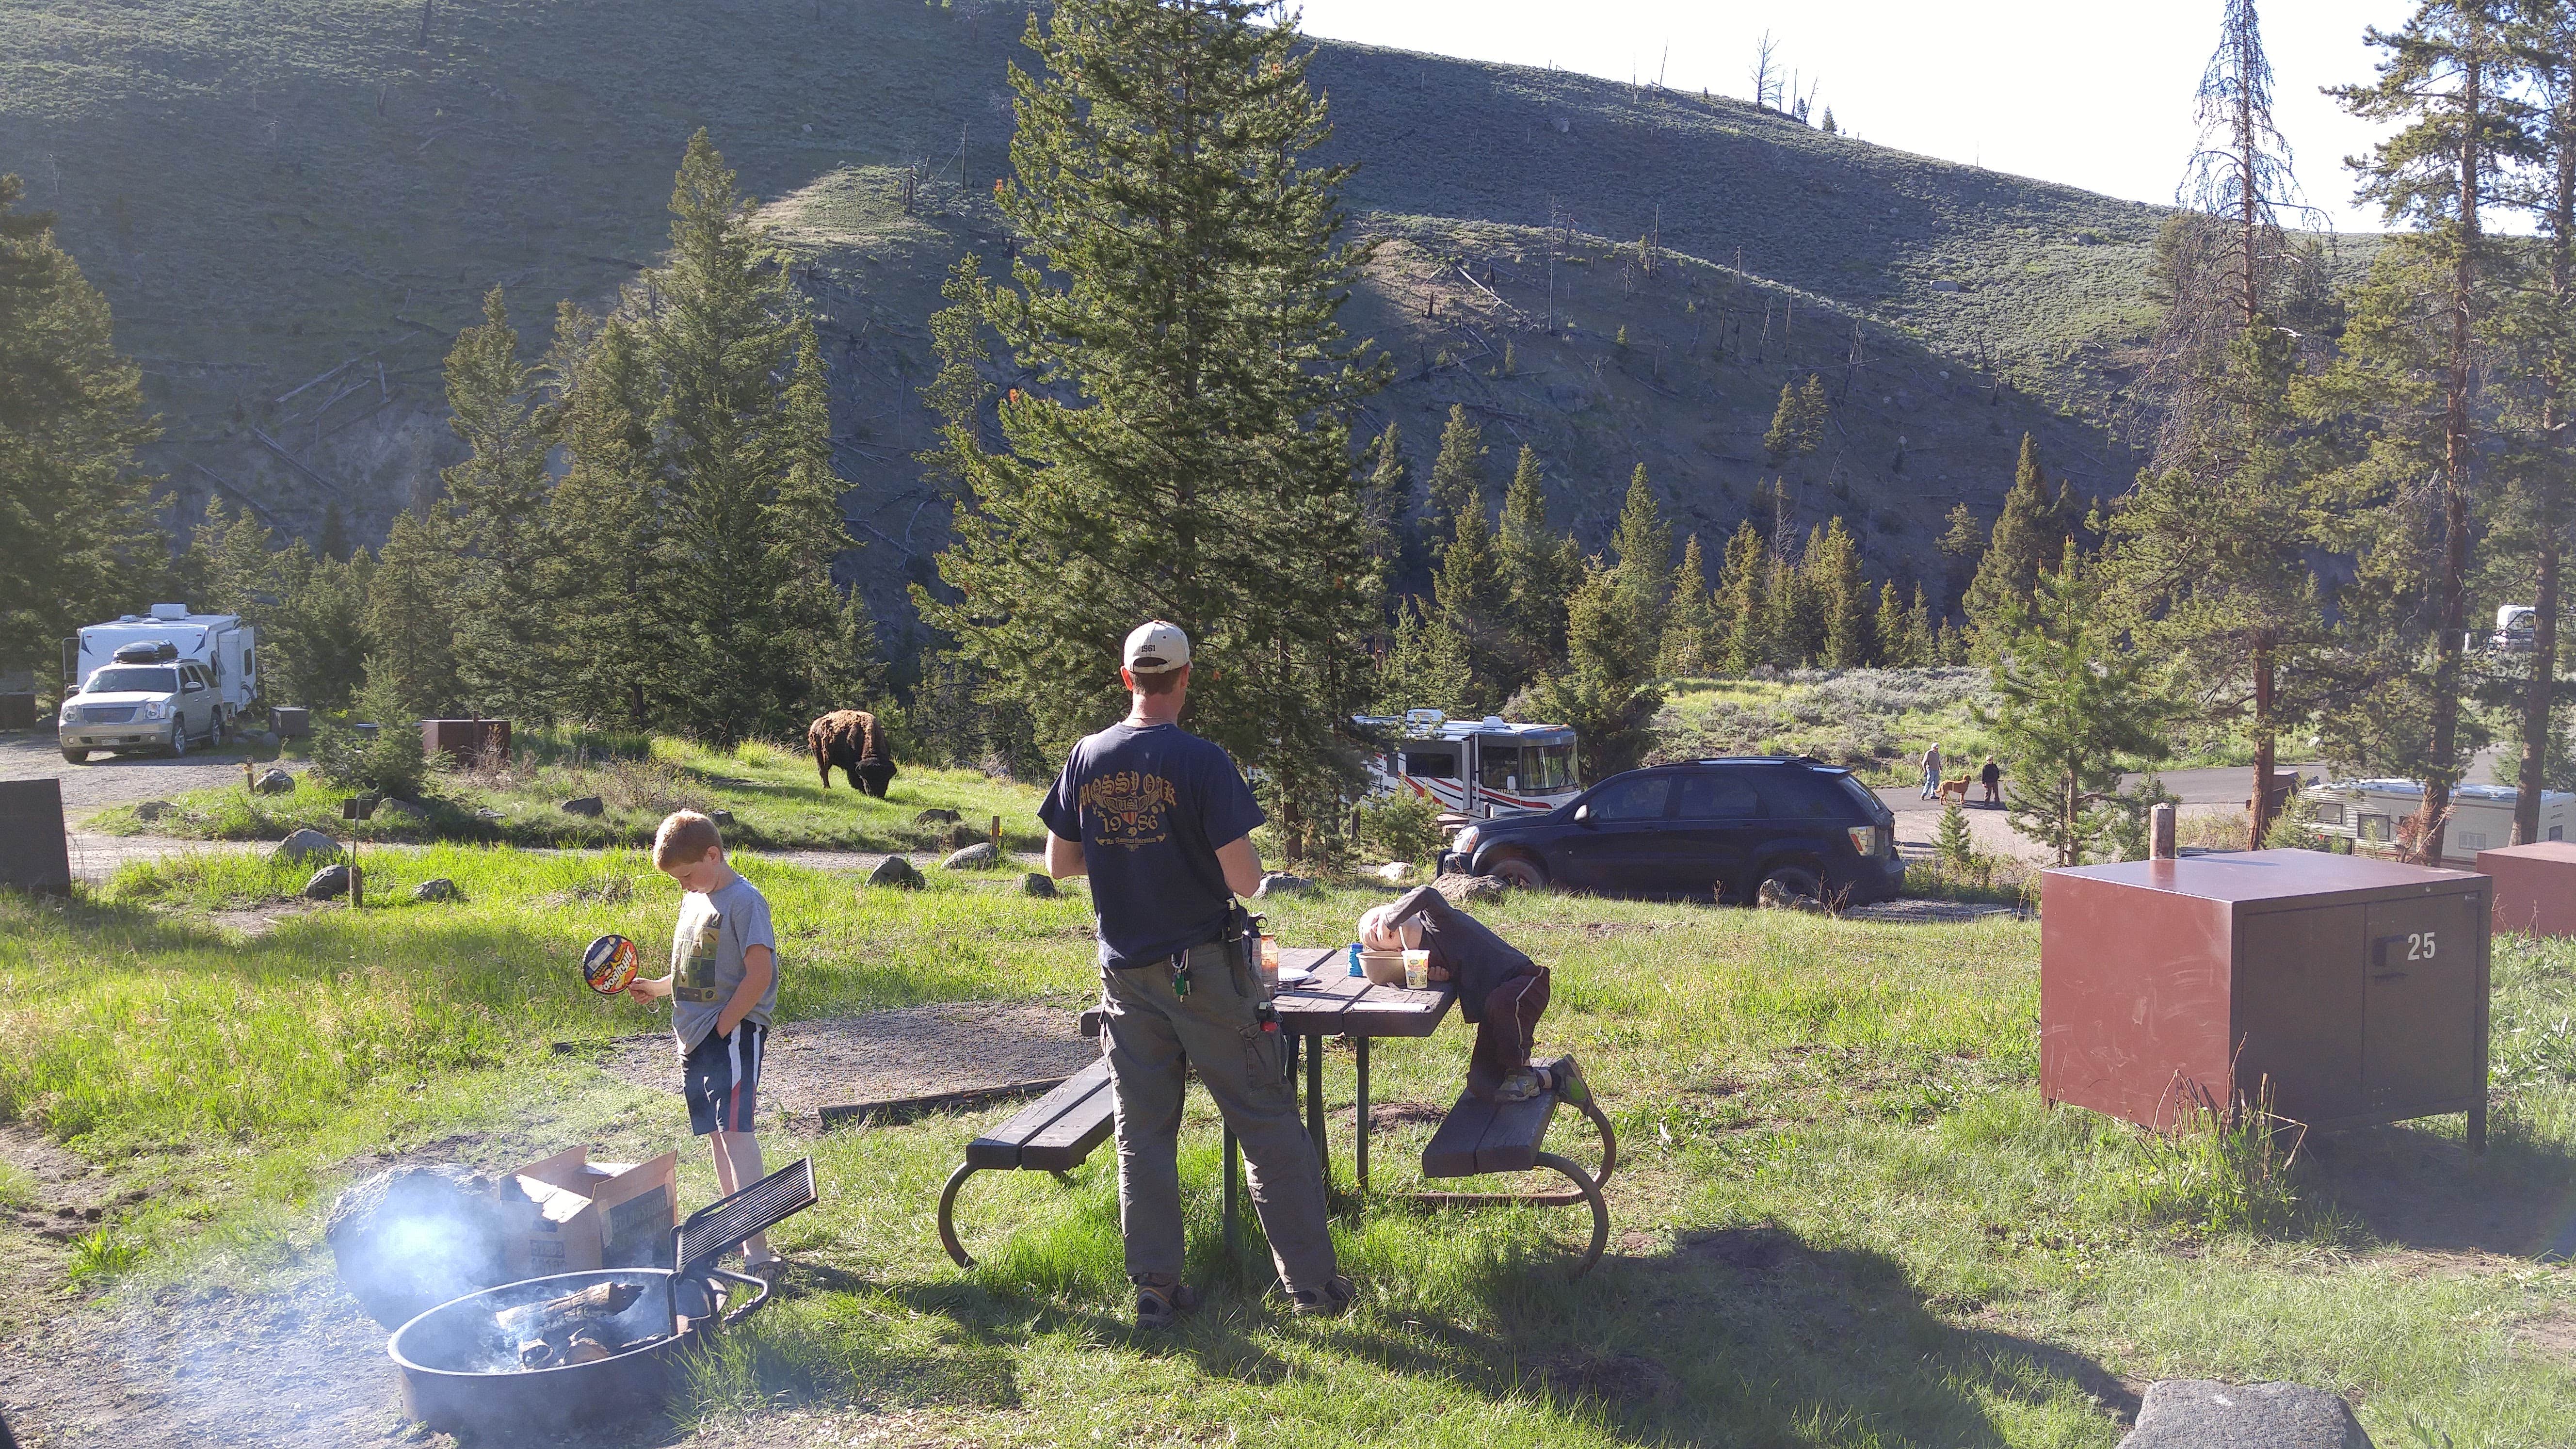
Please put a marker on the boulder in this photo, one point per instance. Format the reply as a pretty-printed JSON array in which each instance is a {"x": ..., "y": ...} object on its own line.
[
  {"x": 1394, "y": 871},
  {"x": 412, "y": 1238},
  {"x": 1462, "y": 890},
  {"x": 589, "y": 805},
  {"x": 487, "y": 813},
  {"x": 328, "y": 884},
  {"x": 154, "y": 809},
  {"x": 305, "y": 844},
  {"x": 273, "y": 781},
  {"x": 2191, "y": 1413},
  {"x": 721, "y": 817},
  {"x": 405, "y": 809},
  {"x": 1039, "y": 884},
  {"x": 436, "y": 889},
  {"x": 936, "y": 817},
  {"x": 898, "y": 872},
  {"x": 974, "y": 857},
  {"x": 1773, "y": 896},
  {"x": 1280, "y": 883}
]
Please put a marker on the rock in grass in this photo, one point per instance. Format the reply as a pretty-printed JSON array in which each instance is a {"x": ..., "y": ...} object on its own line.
[
  {"x": 414, "y": 1237},
  {"x": 436, "y": 889},
  {"x": 974, "y": 857},
  {"x": 1460, "y": 890},
  {"x": 1394, "y": 871},
  {"x": 154, "y": 809},
  {"x": 721, "y": 817},
  {"x": 2191, "y": 1413},
  {"x": 1773, "y": 896},
  {"x": 936, "y": 817},
  {"x": 589, "y": 805},
  {"x": 328, "y": 884},
  {"x": 405, "y": 809},
  {"x": 1038, "y": 884},
  {"x": 1280, "y": 883},
  {"x": 273, "y": 781},
  {"x": 897, "y": 872},
  {"x": 305, "y": 844}
]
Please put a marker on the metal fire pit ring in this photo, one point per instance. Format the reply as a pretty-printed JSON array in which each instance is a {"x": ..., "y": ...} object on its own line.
[{"x": 440, "y": 1352}]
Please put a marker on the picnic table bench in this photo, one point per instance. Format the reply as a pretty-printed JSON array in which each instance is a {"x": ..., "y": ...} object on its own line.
[{"x": 1052, "y": 1134}]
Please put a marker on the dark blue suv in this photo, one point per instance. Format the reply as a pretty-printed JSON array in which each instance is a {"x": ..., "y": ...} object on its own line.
[{"x": 1707, "y": 825}]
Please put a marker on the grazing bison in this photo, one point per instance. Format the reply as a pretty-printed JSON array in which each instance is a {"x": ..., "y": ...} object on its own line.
[{"x": 850, "y": 739}]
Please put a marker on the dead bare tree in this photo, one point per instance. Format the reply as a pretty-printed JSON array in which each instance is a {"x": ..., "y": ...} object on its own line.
[{"x": 1766, "y": 73}]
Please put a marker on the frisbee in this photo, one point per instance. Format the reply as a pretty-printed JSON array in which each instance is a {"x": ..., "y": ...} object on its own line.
[{"x": 609, "y": 964}]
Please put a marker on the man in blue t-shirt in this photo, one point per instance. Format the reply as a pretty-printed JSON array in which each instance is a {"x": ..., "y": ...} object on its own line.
[{"x": 1162, "y": 823}]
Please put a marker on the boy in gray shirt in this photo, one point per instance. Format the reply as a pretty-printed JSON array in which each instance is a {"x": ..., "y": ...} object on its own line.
[{"x": 723, "y": 986}]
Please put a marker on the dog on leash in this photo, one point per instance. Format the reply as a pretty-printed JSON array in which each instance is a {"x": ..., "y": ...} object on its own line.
[{"x": 1958, "y": 787}]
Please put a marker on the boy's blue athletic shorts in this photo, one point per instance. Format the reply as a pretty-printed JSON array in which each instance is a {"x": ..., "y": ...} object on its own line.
[{"x": 721, "y": 1079}]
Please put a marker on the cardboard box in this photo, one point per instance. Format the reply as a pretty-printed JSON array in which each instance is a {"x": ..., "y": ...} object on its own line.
[{"x": 567, "y": 1214}]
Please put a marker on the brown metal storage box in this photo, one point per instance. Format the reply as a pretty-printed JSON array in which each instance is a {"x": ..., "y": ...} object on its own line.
[
  {"x": 35, "y": 855},
  {"x": 2535, "y": 887},
  {"x": 466, "y": 739},
  {"x": 2356, "y": 989}
]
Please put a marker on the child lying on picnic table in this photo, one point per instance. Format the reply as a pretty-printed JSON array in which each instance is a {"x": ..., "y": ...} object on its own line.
[{"x": 1499, "y": 989}]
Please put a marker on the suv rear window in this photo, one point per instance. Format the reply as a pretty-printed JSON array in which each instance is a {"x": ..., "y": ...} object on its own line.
[{"x": 1794, "y": 794}]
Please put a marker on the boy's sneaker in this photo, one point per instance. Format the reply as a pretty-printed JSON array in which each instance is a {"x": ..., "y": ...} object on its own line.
[
  {"x": 1332, "y": 1300},
  {"x": 768, "y": 1270},
  {"x": 1158, "y": 1305},
  {"x": 1520, "y": 1084}
]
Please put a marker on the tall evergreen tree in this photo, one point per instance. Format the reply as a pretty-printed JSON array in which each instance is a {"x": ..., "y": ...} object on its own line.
[
  {"x": 2070, "y": 703},
  {"x": 1178, "y": 288},
  {"x": 740, "y": 460},
  {"x": 1539, "y": 573},
  {"x": 412, "y": 604},
  {"x": 1963, "y": 542},
  {"x": 1605, "y": 690},
  {"x": 607, "y": 519},
  {"x": 1743, "y": 602},
  {"x": 1426, "y": 667},
  {"x": 2027, "y": 536},
  {"x": 75, "y": 501},
  {"x": 1890, "y": 645},
  {"x": 2446, "y": 80},
  {"x": 1641, "y": 549},
  {"x": 1473, "y": 605},
  {"x": 505, "y": 645},
  {"x": 1833, "y": 571},
  {"x": 1922, "y": 642},
  {"x": 1690, "y": 642},
  {"x": 1386, "y": 508},
  {"x": 1457, "y": 473}
]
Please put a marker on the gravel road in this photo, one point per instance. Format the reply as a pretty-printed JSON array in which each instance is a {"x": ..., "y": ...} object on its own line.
[{"x": 122, "y": 779}]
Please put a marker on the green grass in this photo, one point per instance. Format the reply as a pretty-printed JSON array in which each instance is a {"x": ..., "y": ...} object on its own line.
[
  {"x": 1842, "y": 1215},
  {"x": 776, "y": 800}
]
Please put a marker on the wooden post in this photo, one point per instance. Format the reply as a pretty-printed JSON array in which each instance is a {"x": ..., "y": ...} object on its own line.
[
  {"x": 2160, "y": 831},
  {"x": 997, "y": 834}
]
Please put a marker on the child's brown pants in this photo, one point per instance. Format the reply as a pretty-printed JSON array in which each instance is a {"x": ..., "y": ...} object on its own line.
[{"x": 1503, "y": 1038}]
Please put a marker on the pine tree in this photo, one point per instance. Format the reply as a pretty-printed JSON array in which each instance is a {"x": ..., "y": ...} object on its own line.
[
  {"x": 1743, "y": 601},
  {"x": 740, "y": 459},
  {"x": 1426, "y": 667},
  {"x": 313, "y": 635},
  {"x": 411, "y": 618},
  {"x": 1828, "y": 126},
  {"x": 1457, "y": 473},
  {"x": 1780, "y": 441},
  {"x": 607, "y": 520},
  {"x": 2070, "y": 703},
  {"x": 1604, "y": 690},
  {"x": 1814, "y": 411},
  {"x": 75, "y": 502},
  {"x": 1178, "y": 285},
  {"x": 2025, "y": 539},
  {"x": 1642, "y": 552},
  {"x": 1473, "y": 605},
  {"x": 1955, "y": 846},
  {"x": 2448, "y": 80},
  {"x": 505, "y": 645},
  {"x": 1538, "y": 573},
  {"x": 1833, "y": 573},
  {"x": 1386, "y": 506},
  {"x": 1962, "y": 542},
  {"x": 1922, "y": 641},
  {"x": 1890, "y": 645},
  {"x": 1690, "y": 642}
]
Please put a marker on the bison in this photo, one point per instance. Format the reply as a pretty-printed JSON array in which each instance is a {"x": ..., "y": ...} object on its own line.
[{"x": 850, "y": 739}]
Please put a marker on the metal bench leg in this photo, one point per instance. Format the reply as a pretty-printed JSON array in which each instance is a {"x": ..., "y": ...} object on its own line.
[
  {"x": 1590, "y": 1192},
  {"x": 947, "y": 1222},
  {"x": 1315, "y": 1109},
  {"x": 1360, "y": 1116}
]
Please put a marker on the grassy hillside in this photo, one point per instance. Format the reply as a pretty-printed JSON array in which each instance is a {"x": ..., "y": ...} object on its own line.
[{"x": 293, "y": 205}]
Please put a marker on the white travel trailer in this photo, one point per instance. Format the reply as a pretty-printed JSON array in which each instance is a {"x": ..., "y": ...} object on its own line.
[
  {"x": 1475, "y": 768},
  {"x": 157, "y": 681},
  {"x": 2369, "y": 812}
]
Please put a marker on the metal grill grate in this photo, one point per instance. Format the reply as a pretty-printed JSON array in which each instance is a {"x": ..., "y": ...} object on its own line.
[{"x": 721, "y": 1225}]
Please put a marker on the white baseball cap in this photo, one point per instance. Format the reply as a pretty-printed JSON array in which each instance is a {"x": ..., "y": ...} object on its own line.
[{"x": 1157, "y": 648}]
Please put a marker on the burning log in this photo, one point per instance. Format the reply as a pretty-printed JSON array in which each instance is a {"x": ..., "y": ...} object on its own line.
[{"x": 569, "y": 1329}]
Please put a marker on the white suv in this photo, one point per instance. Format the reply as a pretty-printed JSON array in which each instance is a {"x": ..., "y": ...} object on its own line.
[{"x": 161, "y": 706}]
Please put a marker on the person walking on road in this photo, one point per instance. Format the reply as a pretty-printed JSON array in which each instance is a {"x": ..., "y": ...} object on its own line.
[
  {"x": 1992, "y": 777},
  {"x": 1162, "y": 822},
  {"x": 1932, "y": 770}
]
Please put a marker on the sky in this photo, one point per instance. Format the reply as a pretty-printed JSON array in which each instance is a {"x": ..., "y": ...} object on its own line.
[{"x": 2093, "y": 95}]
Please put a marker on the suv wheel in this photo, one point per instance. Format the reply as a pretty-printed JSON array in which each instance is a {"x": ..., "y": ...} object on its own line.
[
  {"x": 1797, "y": 880},
  {"x": 75, "y": 757},
  {"x": 179, "y": 736},
  {"x": 1522, "y": 872}
]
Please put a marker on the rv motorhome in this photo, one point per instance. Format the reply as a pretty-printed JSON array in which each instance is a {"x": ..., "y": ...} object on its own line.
[
  {"x": 2370, "y": 813},
  {"x": 1475, "y": 768}
]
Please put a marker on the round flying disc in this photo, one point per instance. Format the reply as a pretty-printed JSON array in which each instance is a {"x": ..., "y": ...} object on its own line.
[{"x": 609, "y": 964}]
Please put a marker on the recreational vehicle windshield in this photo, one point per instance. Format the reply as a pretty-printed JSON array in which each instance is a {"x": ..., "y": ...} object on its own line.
[{"x": 1475, "y": 768}]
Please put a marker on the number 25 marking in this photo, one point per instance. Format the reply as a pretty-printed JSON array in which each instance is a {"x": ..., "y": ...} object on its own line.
[{"x": 2420, "y": 946}]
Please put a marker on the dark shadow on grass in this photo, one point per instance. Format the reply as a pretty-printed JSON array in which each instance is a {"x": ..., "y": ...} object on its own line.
[{"x": 2412, "y": 1187}]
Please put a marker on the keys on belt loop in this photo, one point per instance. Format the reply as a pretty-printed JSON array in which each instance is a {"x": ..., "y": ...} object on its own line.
[{"x": 1180, "y": 973}]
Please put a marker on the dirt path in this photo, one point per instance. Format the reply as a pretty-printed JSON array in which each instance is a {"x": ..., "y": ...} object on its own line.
[
  {"x": 123, "y": 779},
  {"x": 96, "y": 856}
]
